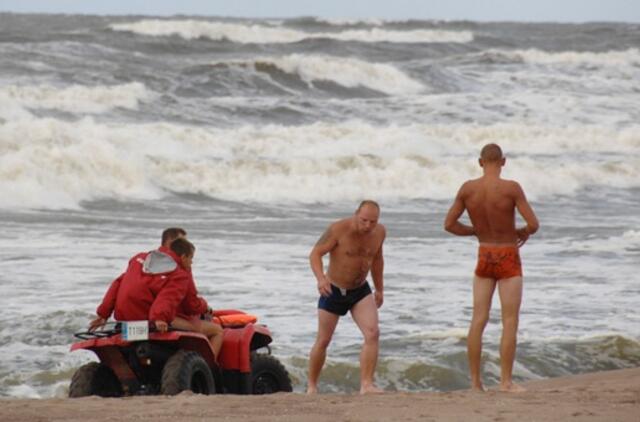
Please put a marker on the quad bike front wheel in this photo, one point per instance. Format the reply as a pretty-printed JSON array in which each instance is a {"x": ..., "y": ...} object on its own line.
[
  {"x": 268, "y": 375},
  {"x": 95, "y": 379},
  {"x": 187, "y": 371}
]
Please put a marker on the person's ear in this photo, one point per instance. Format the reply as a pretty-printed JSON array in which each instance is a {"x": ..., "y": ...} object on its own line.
[
  {"x": 504, "y": 160},
  {"x": 480, "y": 162}
]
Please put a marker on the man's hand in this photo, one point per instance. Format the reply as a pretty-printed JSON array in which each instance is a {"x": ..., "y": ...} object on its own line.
[
  {"x": 97, "y": 323},
  {"x": 162, "y": 326},
  {"x": 324, "y": 286},
  {"x": 523, "y": 236},
  {"x": 379, "y": 298}
]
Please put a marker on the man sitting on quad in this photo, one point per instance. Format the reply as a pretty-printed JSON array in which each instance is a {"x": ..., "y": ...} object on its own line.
[
  {"x": 193, "y": 306},
  {"x": 109, "y": 302},
  {"x": 159, "y": 286}
]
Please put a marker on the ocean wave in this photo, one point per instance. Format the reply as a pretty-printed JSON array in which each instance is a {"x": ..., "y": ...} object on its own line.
[
  {"x": 76, "y": 98},
  {"x": 629, "y": 57},
  {"x": 447, "y": 370},
  {"x": 351, "y": 22},
  {"x": 261, "y": 34},
  {"x": 628, "y": 241},
  {"x": 347, "y": 72},
  {"x": 49, "y": 163}
]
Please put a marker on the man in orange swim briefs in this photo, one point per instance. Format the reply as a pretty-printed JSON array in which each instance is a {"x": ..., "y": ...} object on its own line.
[{"x": 491, "y": 203}]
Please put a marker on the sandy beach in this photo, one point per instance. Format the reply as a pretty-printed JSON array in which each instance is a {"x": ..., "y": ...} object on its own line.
[{"x": 602, "y": 396}]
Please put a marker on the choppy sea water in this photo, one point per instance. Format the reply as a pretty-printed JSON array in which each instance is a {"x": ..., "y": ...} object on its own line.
[{"x": 255, "y": 134}]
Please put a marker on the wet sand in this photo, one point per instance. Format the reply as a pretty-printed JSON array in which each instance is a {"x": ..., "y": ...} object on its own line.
[{"x": 602, "y": 396}]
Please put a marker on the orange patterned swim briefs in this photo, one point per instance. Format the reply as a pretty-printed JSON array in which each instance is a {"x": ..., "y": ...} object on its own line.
[{"x": 498, "y": 262}]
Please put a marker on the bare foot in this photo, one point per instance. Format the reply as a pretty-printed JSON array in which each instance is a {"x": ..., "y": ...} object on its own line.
[
  {"x": 312, "y": 389},
  {"x": 512, "y": 388},
  {"x": 478, "y": 388},
  {"x": 370, "y": 389}
]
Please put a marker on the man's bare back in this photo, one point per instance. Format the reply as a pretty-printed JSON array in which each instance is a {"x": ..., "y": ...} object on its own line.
[{"x": 491, "y": 203}]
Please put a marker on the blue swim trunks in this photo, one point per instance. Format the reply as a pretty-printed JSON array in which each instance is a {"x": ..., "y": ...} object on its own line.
[{"x": 340, "y": 301}]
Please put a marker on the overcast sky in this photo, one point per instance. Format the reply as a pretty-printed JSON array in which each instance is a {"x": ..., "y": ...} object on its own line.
[{"x": 493, "y": 10}]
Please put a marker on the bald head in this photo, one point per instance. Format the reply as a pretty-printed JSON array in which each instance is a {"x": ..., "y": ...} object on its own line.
[
  {"x": 491, "y": 153},
  {"x": 368, "y": 203}
]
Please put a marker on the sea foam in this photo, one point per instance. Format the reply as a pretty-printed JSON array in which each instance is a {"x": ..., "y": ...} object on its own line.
[
  {"x": 51, "y": 163},
  {"x": 77, "y": 98},
  {"x": 347, "y": 72},
  {"x": 629, "y": 57},
  {"x": 261, "y": 34}
]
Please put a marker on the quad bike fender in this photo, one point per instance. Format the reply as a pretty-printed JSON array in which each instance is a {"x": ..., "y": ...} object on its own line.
[
  {"x": 237, "y": 346},
  {"x": 108, "y": 348},
  {"x": 108, "y": 352}
]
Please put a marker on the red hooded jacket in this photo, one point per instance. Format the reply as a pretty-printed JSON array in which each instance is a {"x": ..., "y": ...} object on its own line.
[{"x": 154, "y": 287}]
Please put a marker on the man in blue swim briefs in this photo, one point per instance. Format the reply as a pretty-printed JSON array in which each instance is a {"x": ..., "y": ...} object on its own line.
[{"x": 354, "y": 246}]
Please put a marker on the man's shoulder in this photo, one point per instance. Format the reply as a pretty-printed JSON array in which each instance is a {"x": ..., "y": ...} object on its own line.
[
  {"x": 512, "y": 185},
  {"x": 138, "y": 258},
  {"x": 470, "y": 185},
  {"x": 341, "y": 225}
]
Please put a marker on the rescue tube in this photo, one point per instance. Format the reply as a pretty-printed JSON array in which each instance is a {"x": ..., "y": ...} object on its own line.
[{"x": 235, "y": 320}]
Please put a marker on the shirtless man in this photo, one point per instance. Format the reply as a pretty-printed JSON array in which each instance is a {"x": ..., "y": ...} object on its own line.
[
  {"x": 491, "y": 203},
  {"x": 354, "y": 246}
]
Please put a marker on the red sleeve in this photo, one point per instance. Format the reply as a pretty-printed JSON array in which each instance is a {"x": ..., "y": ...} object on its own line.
[
  {"x": 192, "y": 303},
  {"x": 109, "y": 301},
  {"x": 165, "y": 305}
]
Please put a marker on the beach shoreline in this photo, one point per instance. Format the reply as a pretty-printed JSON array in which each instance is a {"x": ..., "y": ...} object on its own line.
[{"x": 599, "y": 396}]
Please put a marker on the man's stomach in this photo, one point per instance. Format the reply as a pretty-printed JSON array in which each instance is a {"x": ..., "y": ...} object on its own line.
[{"x": 348, "y": 277}]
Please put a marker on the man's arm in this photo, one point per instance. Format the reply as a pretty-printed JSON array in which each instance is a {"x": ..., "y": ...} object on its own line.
[
  {"x": 451, "y": 223},
  {"x": 377, "y": 273},
  {"x": 165, "y": 304},
  {"x": 525, "y": 210},
  {"x": 324, "y": 245},
  {"x": 105, "y": 309}
]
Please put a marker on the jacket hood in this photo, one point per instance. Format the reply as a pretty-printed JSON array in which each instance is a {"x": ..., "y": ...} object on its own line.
[{"x": 158, "y": 262}]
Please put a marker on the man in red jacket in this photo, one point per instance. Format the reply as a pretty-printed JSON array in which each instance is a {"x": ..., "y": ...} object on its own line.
[
  {"x": 108, "y": 304},
  {"x": 158, "y": 286},
  {"x": 192, "y": 306}
]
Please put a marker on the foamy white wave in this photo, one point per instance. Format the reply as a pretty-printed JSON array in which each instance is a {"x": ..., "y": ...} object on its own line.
[
  {"x": 347, "y": 72},
  {"x": 55, "y": 164},
  {"x": 449, "y": 334},
  {"x": 608, "y": 58},
  {"x": 259, "y": 34},
  {"x": 347, "y": 21},
  {"x": 76, "y": 98},
  {"x": 628, "y": 241}
]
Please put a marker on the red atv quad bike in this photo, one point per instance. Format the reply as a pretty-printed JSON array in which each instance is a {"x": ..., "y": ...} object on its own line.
[{"x": 137, "y": 360}]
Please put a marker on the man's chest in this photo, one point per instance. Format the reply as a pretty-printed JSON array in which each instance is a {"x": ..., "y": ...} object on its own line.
[{"x": 357, "y": 248}]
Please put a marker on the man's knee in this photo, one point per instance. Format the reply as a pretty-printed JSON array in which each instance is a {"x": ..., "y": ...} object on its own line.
[
  {"x": 323, "y": 341},
  {"x": 510, "y": 322},
  {"x": 371, "y": 334},
  {"x": 480, "y": 320},
  {"x": 211, "y": 329}
]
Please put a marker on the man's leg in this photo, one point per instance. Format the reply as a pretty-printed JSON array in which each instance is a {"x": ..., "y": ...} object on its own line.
[
  {"x": 482, "y": 293},
  {"x": 213, "y": 331},
  {"x": 365, "y": 314},
  {"x": 327, "y": 323},
  {"x": 510, "y": 291}
]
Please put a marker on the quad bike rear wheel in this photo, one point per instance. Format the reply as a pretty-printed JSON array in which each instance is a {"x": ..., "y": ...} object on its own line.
[
  {"x": 268, "y": 375},
  {"x": 186, "y": 371},
  {"x": 95, "y": 379}
]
